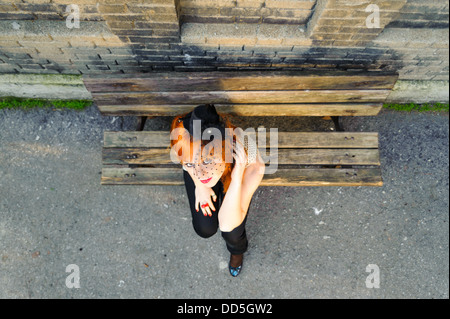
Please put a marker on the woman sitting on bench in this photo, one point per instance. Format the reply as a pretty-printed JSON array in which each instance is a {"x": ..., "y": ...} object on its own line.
[{"x": 219, "y": 190}]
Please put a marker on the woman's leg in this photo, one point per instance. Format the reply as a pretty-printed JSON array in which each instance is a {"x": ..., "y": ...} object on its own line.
[
  {"x": 204, "y": 226},
  {"x": 237, "y": 245},
  {"x": 236, "y": 239}
]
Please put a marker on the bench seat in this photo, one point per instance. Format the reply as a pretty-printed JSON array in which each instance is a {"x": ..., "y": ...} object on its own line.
[{"x": 304, "y": 159}]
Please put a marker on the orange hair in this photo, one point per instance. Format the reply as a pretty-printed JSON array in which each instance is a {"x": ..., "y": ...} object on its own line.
[{"x": 226, "y": 145}]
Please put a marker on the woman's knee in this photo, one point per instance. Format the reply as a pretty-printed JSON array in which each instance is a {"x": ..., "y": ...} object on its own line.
[{"x": 205, "y": 230}]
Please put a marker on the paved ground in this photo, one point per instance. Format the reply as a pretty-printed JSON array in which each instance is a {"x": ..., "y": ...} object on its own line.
[{"x": 138, "y": 242}]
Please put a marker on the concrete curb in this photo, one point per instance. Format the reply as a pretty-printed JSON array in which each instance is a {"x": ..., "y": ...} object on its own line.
[
  {"x": 419, "y": 92},
  {"x": 43, "y": 86},
  {"x": 63, "y": 87}
]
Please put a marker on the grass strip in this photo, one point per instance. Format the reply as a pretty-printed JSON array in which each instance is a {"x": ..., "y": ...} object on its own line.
[
  {"x": 409, "y": 107},
  {"x": 27, "y": 103}
]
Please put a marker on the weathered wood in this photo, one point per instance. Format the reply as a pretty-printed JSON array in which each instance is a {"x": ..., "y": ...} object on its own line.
[
  {"x": 161, "y": 139},
  {"x": 152, "y": 156},
  {"x": 234, "y": 74},
  {"x": 136, "y": 139},
  {"x": 283, "y": 177},
  {"x": 328, "y": 157},
  {"x": 291, "y": 93},
  {"x": 242, "y": 97},
  {"x": 324, "y": 177},
  {"x": 142, "y": 176},
  {"x": 318, "y": 109},
  {"x": 243, "y": 81}
]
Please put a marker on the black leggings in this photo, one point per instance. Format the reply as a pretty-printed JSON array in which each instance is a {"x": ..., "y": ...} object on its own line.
[{"x": 206, "y": 226}]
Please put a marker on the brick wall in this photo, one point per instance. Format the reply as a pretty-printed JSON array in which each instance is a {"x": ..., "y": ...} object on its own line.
[
  {"x": 132, "y": 36},
  {"x": 246, "y": 11},
  {"x": 422, "y": 14}
]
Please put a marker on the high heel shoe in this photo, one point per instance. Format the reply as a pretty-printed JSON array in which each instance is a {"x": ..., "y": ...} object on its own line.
[{"x": 235, "y": 271}]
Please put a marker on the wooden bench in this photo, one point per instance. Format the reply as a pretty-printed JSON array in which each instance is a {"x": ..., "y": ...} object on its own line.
[{"x": 304, "y": 158}]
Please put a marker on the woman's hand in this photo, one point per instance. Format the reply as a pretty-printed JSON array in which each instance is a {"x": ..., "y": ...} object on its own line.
[
  {"x": 240, "y": 159},
  {"x": 203, "y": 195}
]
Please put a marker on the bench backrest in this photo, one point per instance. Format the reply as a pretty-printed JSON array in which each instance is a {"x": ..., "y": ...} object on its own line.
[{"x": 299, "y": 93}]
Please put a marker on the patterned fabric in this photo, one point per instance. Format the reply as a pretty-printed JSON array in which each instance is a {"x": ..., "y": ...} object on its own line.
[{"x": 252, "y": 151}]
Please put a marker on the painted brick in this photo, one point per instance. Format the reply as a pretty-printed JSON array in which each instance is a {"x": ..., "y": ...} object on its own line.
[
  {"x": 143, "y": 36},
  {"x": 290, "y": 4},
  {"x": 250, "y": 3}
]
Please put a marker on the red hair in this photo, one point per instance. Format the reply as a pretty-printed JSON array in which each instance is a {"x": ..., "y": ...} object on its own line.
[{"x": 186, "y": 142}]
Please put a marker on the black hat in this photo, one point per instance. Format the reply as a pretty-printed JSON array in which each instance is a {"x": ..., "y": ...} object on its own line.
[{"x": 209, "y": 119}]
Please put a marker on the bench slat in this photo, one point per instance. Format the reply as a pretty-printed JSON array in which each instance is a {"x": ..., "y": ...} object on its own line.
[
  {"x": 318, "y": 109},
  {"x": 152, "y": 156},
  {"x": 283, "y": 177},
  {"x": 242, "y": 97},
  {"x": 161, "y": 139},
  {"x": 244, "y": 81}
]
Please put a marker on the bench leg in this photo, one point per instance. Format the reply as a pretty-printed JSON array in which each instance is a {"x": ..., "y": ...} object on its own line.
[
  {"x": 337, "y": 124},
  {"x": 141, "y": 123}
]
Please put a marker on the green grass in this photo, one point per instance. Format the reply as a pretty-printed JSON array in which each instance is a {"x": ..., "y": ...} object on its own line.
[
  {"x": 428, "y": 107},
  {"x": 71, "y": 104},
  {"x": 24, "y": 103}
]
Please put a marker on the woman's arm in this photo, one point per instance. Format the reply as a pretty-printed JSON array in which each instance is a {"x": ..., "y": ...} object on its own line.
[
  {"x": 244, "y": 182},
  {"x": 252, "y": 178},
  {"x": 230, "y": 213},
  {"x": 237, "y": 199}
]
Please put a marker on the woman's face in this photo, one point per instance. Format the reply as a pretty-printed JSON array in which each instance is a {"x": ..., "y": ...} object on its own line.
[{"x": 206, "y": 164}]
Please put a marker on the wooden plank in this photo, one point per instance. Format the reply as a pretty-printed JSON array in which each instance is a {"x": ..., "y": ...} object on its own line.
[
  {"x": 240, "y": 81},
  {"x": 241, "y": 97},
  {"x": 331, "y": 140},
  {"x": 328, "y": 156},
  {"x": 283, "y": 177},
  {"x": 136, "y": 156},
  {"x": 234, "y": 74},
  {"x": 129, "y": 139},
  {"x": 157, "y": 156},
  {"x": 161, "y": 139},
  {"x": 318, "y": 109},
  {"x": 324, "y": 177},
  {"x": 142, "y": 176}
]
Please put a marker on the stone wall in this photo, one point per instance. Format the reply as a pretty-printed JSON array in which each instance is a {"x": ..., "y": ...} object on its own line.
[
  {"x": 295, "y": 12},
  {"x": 116, "y": 36}
]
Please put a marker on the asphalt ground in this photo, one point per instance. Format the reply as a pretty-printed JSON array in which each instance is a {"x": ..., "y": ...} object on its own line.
[{"x": 138, "y": 241}]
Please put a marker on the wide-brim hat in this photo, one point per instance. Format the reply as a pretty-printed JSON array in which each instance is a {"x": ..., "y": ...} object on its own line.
[{"x": 208, "y": 116}]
